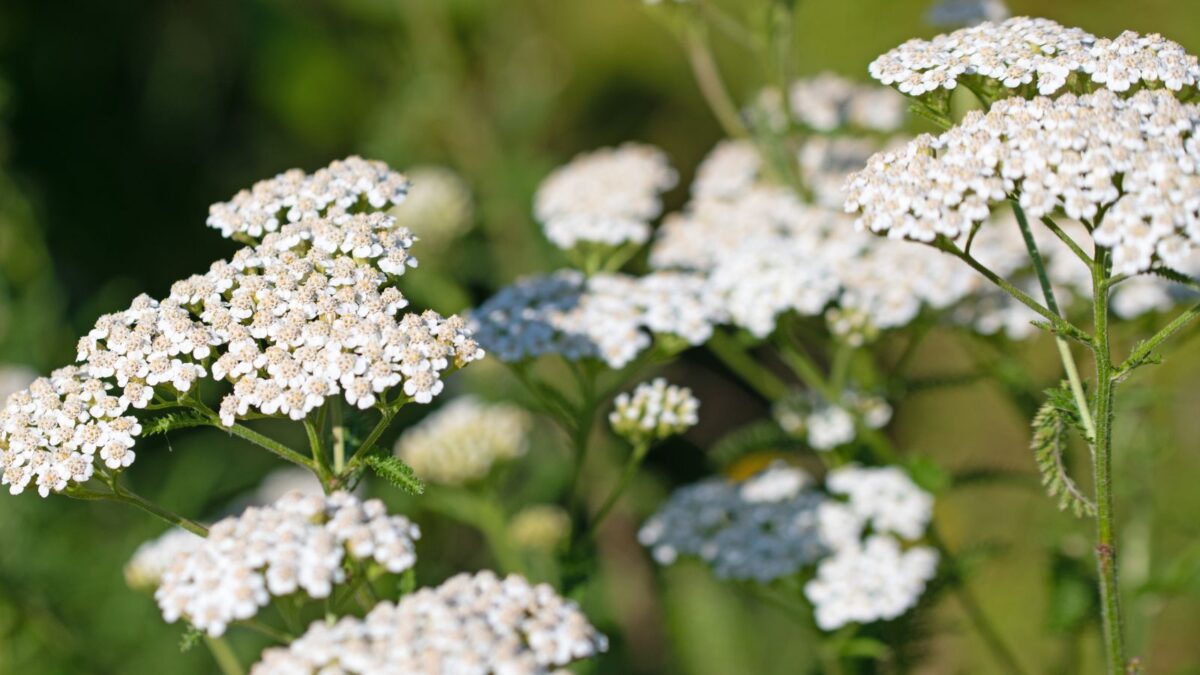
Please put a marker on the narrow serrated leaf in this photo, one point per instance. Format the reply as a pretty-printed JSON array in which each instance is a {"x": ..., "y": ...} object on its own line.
[
  {"x": 1050, "y": 425},
  {"x": 396, "y": 472},
  {"x": 172, "y": 421}
]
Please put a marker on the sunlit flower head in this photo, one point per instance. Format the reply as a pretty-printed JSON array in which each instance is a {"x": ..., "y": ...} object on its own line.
[
  {"x": 470, "y": 624},
  {"x": 654, "y": 411}
]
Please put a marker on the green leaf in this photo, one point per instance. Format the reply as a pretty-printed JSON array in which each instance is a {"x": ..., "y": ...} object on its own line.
[
  {"x": 190, "y": 638},
  {"x": 185, "y": 419},
  {"x": 396, "y": 472},
  {"x": 1056, "y": 416},
  {"x": 864, "y": 648},
  {"x": 928, "y": 475}
]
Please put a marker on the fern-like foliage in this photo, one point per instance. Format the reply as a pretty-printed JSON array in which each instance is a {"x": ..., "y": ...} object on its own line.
[
  {"x": 185, "y": 419},
  {"x": 1056, "y": 418},
  {"x": 395, "y": 471}
]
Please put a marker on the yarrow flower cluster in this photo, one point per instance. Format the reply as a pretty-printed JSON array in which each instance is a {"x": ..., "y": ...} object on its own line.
[
  {"x": 470, "y": 624},
  {"x": 1130, "y": 164},
  {"x": 826, "y": 425},
  {"x": 541, "y": 527},
  {"x": 760, "y": 530},
  {"x": 610, "y": 317},
  {"x": 461, "y": 442},
  {"x": 872, "y": 578},
  {"x": 654, "y": 411},
  {"x": 151, "y": 560},
  {"x": 607, "y": 196},
  {"x": 438, "y": 208},
  {"x": 1036, "y": 56},
  {"x": 293, "y": 196},
  {"x": 776, "y": 523},
  {"x": 297, "y": 544},
  {"x": 53, "y": 433},
  {"x": 828, "y": 102}
]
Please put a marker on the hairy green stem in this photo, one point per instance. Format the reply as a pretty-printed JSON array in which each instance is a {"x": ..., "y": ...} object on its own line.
[
  {"x": 1145, "y": 348},
  {"x": 388, "y": 413},
  {"x": 118, "y": 493},
  {"x": 1106, "y": 544},
  {"x": 1064, "y": 350},
  {"x": 318, "y": 452}
]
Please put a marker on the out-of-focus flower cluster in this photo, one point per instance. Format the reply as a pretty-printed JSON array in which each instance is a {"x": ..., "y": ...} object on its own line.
[
  {"x": 462, "y": 441},
  {"x": 541, "y": 527},
  {"x": 654, "y": 411},
  {"x": 607, "y": 197},
  {"x": 1130, "y": 164},
  {"x": 610, "y": 317},
  {"x": 826, "y": 425},
  {"x": 438, "y": 209},
  {"x": 470, "y": 624},
  {"x": 776, "y": 523},
  {"x": 297, "y": 544}
]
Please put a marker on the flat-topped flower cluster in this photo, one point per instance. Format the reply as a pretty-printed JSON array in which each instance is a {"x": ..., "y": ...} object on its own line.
[
  {"x": 310, "y": 311},
  {"x": 1128, "y": 167},
  {"x": 470, "y": 624}
]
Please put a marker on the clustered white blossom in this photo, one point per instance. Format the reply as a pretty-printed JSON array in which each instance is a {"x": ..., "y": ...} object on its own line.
[
  {"x": 875, "y": 578},
  {"x": 654, "y": 411},
  {"x": 825, "y": 425},
  {"x": 438, "y": 208},
  {"x": 53, "y": 433},
  {"x": 1130, "y": 164},
  {"x": 343, "y": 187},
  {"x": 776, "y": 523},
  {"x": 145, "y": 569},
  {"x": 297, "y": 544},
  {"x": 1036, "y": 55},
  {"x": 763, "y": 529},
  {"x": 608, "y": 196},
  {"x": 470, "y": 625},
  {"x": 611, "y": 317},
  {"x": 828, "y": 102},
  {"x": 460, "y": 442}
]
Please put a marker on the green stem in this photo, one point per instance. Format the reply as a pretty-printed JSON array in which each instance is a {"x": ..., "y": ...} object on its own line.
[
  {"x": 339, "y": 438},
  {"x": 124, "y": 495},
  {"x": 318, "y": 451},
  {"x": 1146, "y": 347},
  {"x": 627, "y": 474},
  {"x": 1066, "y": 239},
  {"x": 269, "y": 444},
  {"x": 708, "y": 78},
  {"x": 388, "y": 413},
  {"x": 1064, "y": 350},
  {"x": 221, "y": 652},
  {"x": 767, "y": 384},
  {"x": 1057, "y": 323},
  {"x": 265, "y": 630},
  {"x": 1106, "y": 545}
]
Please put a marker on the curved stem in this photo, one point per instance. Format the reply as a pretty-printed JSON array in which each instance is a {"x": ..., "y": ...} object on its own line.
[
  {"x": 763, "y": 381},
  {"x": 127, "y": 496},
  {"x": 1106, "y": 544},
  {"x": 388, "y": 413},
  {"x": 708, "y": 78},
  {"x": 1146, "y": 347},
  {"x": 318, "y": 451},
  {"x": 1064, "y": 350},
  {"x": 627, "y": 474},
  {"x": 265, "y": 630},
  {"x": 222, "y": 653}
]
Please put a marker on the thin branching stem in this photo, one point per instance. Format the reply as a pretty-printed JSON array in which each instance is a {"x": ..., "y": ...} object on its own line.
[
  {"x": 627, "y": 473},
  {"x": 708, "y": 78},
  {"x": 1064, "y": 350},
  {"x": 223, "y": 654},
  {"x": 766, "y": 383}
]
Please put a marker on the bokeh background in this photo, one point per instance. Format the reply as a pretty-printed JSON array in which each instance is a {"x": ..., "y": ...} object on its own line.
[{"x": 121, "y": 121}]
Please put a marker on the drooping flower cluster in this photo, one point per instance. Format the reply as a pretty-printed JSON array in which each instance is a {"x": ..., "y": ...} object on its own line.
[
  {"x": 1036, "y": 56},
  {"x": 870, "y": 576},
  {"x": 470, "y": 624},
  {"x": 53, "y": 433},
  {"x": 297, "y": 544},
  {"x": 607, "y": 196},
  {"x": 611, "y": 317},
  {"x": 343, "y": 187},
  {"x": 760, "y": 530},
  {"x": 1130, "y": 164},
  {"x": 654, "y": 411},
  {"x": 462, "y": 441}
]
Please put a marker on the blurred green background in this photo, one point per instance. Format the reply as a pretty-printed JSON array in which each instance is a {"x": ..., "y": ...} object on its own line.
[{"x": 122, "y": 121}]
